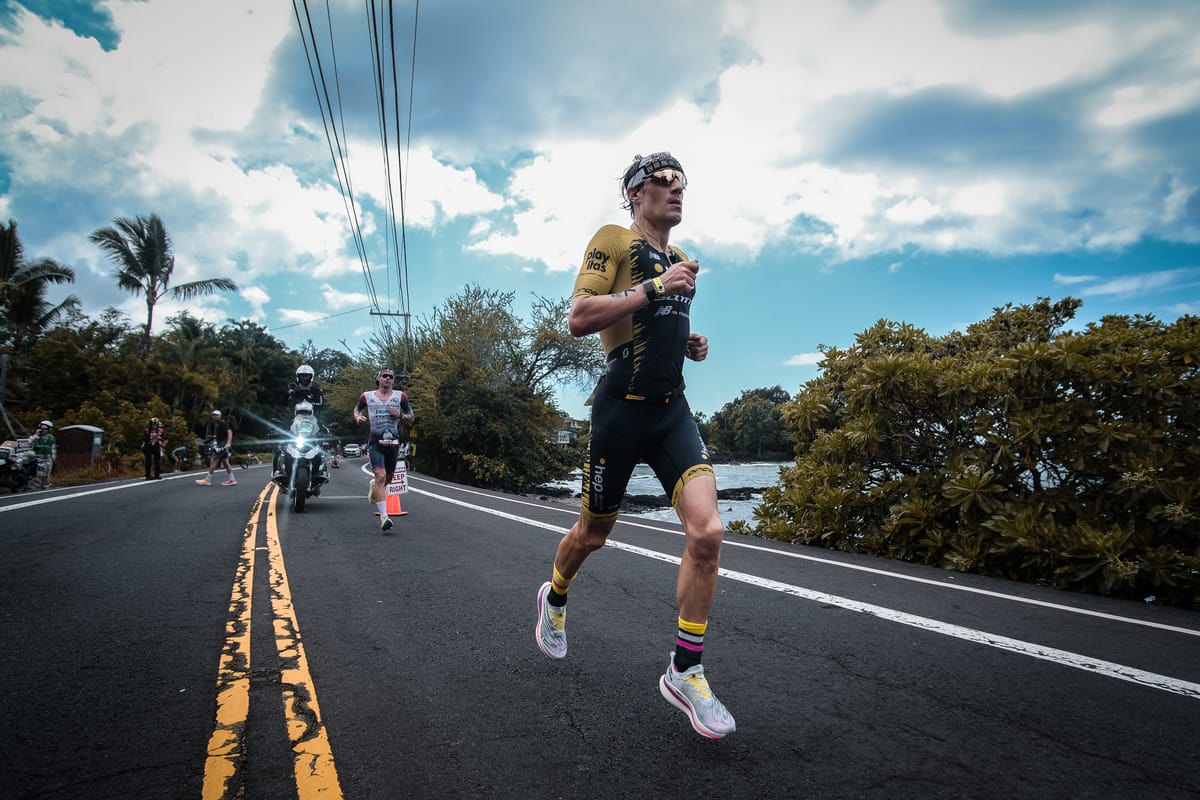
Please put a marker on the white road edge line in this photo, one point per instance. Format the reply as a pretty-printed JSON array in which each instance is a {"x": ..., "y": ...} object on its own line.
[
  {"x": 1066, "y": 658},
  {"x": 874, "y": 571}
]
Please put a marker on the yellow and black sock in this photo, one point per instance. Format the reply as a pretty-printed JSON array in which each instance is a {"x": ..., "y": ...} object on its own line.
[
  {"x": 559, "y": 585},
  {"x": 689, "y": 644}
]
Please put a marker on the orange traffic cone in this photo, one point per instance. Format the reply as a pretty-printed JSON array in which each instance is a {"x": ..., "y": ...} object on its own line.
[{"x": 393, "y": 506}]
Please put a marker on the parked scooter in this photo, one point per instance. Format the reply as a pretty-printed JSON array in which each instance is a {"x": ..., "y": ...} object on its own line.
[
  {"x": 302, "y": 467},
  {"x": 18, "y": 464}
]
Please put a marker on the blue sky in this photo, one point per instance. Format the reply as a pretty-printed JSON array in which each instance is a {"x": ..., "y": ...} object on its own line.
[{"x": 911, "y": 160}]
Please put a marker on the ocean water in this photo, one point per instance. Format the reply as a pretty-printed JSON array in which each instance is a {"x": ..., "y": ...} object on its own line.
[{"x": 758, "y": 475}]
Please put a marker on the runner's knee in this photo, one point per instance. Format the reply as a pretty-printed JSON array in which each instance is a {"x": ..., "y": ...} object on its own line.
[
  {"x": 704, "y": 541},
  {"x": 591, "y": 534}
]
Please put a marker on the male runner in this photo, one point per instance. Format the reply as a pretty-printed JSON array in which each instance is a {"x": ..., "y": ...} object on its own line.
[
  {"x": 383, "y": 408},
  {"x": 636, "y": 291}
]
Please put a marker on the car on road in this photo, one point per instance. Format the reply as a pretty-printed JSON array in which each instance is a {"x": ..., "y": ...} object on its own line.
[{"x": 353, "y": 450}]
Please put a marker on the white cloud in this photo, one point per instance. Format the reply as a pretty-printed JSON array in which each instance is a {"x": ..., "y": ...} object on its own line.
[
  {"x": 914, "y": 211},
  {"x": 751, "y": 160},
  {"x": 1141, "y": 284},
  {"x": 244, "y": 182},
  {"x": 293, "y": 315},
  {"x": 338, "y": 299},
  {"x": 1071, "y": 280},
  {"x": 257, "y": 297},
  {"x": 804, "y": 359}
]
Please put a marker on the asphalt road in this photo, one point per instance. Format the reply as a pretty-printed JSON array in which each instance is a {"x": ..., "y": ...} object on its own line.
[{"x": 166, "y": 640}]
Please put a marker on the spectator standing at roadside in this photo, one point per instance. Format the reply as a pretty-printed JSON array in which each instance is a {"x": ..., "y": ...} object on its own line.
[
  {"x": 152, "y": 448},
  {"x": 219, "y": 437},
  {"x": 45, "y": 447}
]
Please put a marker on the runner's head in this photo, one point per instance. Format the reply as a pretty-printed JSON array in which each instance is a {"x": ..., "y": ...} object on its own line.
[
  {"x": 658, "y": 169},
  {"x": 385, "y": 378}
]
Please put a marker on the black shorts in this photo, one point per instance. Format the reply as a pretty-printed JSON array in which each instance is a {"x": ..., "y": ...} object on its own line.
[
  {"x": 383, "y": 456},
  {"x": 625, "y": 432}
]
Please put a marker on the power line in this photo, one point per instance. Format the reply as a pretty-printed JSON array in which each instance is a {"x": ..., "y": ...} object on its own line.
[
  {"x": 338, "y": 153},
  {"x": 321, "y": 319},
  {"x": 382, "y": 47}
]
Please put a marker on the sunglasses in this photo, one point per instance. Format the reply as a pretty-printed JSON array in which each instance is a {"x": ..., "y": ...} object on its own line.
[
  {"x": 385, "y": 375},
  {"x": 665, "y": 177}
]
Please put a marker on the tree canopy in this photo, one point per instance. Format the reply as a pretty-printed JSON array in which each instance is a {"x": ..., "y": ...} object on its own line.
[
  {"x": 752, "y": 425},
  {"x": 1014, "y": 449},
  {"x": 481, "y": 388}
]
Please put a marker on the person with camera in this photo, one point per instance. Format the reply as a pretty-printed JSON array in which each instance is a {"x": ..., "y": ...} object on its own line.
[
  {"x": 304, "y": 390},
  {"x": 218, "y": 437}
]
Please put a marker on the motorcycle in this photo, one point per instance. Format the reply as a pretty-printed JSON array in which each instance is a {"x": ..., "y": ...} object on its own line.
[
  {"x": 18, "y": 464},
  {"x": 302, "y": 466}
]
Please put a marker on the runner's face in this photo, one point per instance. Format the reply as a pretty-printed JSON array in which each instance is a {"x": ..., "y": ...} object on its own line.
[{"x": 660, "y": 203}]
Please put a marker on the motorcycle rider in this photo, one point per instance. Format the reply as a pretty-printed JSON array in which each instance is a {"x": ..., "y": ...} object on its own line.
[
  {"x": 304, "y": 425},
  {"x": 305, "y": 389}
]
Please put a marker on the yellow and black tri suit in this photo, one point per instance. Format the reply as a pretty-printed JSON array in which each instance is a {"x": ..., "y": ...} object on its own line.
[{"x": 639, "y": 411}]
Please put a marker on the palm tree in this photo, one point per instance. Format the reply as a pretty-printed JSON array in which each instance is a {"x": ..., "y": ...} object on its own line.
[
  {"x": 29, "y": 278},
  {"x": 24, "y": 312},
  {"x": 28, "y": 314},
  {"x": 141, "y": 250}
]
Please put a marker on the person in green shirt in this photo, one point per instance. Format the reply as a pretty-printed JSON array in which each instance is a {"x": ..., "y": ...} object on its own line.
[{"x": 45, "y": 447}]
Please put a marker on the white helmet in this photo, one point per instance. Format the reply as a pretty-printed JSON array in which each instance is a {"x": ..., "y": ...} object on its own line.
[
  {"x": 304, "y": 408},
  {"x": 302, "y": 370},
  {"x": 47, "y": 423}
]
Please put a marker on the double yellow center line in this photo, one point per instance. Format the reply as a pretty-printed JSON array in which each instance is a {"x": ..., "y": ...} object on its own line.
[{"x": 316, "y": 774}]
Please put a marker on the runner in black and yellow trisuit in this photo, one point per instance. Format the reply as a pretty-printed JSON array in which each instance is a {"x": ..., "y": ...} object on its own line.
[
  {"x": 645, "y": 367},
  {"x": 636, "y": 292}
]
